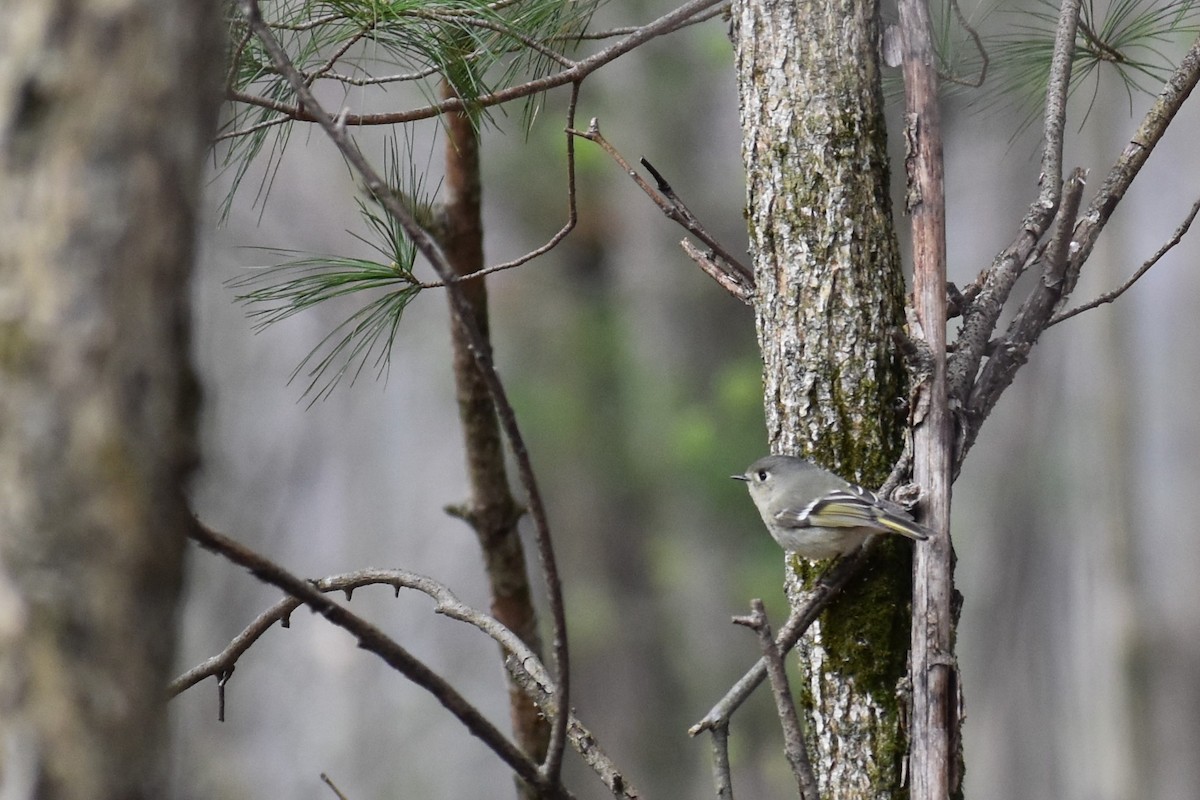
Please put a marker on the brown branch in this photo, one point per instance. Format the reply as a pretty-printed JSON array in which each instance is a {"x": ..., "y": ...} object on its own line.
[
  {"x": 1090, "y": 224},
  {"x": 1109, "y": 297},
  {"x": 376, "y": 641},
  {"x": 932, "y": 731},
  {"x": 716, "y": 11},
  {"x": 522, "y": 663},
  {"x": 736, "y": 273},
  {"x": 305, "y": 112},
  {"x": 793, "y": 733},
  {"x": 334, "y": 57},
  {"x": 461, "y": 309}
]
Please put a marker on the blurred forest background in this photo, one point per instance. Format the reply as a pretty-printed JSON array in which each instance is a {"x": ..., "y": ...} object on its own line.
[{"x": 637, "y": 381}]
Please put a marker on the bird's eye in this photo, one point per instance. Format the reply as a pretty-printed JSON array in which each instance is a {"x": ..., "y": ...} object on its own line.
[{"x": 761, "y": 474}]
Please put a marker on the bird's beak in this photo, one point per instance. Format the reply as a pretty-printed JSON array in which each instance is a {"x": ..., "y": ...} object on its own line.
[{"x": 740, "y": 478}]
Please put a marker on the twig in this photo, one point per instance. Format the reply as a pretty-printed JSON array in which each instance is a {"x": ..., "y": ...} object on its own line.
[
  {"x": 522, "y": 663},
  {"x": 568, "y": 226},
  {"x": 258, "y": 126},
  {"x": 717, "y": 11},
  {"x": 379, "y": 80},
  {"x": 1127, "y": 166},
  {"x": 1109, "y": 297},
  {"x": 1026, "y": 327},
  {"x": 827, "y": 587},
  {"x": 338, "y": 53},
  {"x": 984, "y": 60},
  {"x": 684, "y": 216},
  {"x": 665, "y": 24},
  {"x": 793, "y": 734},
  {"x": 333, "y": 787},
  {"x": 535, "y": 681},
  {"x": 730, "y": 282},
  {"x": 425, "y": 244},
  {"x": 722, "y": 776},
  {"x": 375, "y": 641},
  {"x": 997, "y": 281},
  {"x": 737, "y": 273}
]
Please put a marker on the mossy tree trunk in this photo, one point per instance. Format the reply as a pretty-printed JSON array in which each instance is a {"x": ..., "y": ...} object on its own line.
[
  {"x": 106, "y": 111},
  {"x": 829, "y": 290}
]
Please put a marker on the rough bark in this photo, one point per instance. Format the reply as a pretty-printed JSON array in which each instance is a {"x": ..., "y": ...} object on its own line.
[
  {"x": 105, "y": 114},
  {"x": 935, "y": 762},
  {"x": 829, "y": 289},
  {"x": 492, "y": 512}
]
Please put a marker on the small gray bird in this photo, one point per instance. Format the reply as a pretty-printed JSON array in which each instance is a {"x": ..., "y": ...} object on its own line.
[{"x": 814, "y": 513}]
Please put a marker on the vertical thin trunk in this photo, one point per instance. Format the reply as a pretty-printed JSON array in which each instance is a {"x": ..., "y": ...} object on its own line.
[
  {"x": 830, "y": 288},
  {"x": 105, "y": 114},
  {"x": 935, "y": 763},
  {"x": 492, "y": 512}
]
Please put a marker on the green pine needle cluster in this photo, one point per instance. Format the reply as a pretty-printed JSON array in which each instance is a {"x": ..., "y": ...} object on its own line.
[
  {"x": 366, "y": 47},
  {"x": 1126, "y": 39},
  {"x": 365, "y": 338}
]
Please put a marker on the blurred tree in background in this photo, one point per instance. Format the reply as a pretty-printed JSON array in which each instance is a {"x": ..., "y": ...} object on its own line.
[{"x": 101, "y": 164}]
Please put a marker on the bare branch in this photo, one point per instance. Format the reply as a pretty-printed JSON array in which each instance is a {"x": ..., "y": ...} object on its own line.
[
  {"x": 461, "y": 308},
  {"x": 1026, "y": 327},
  {"x": 996, "y": 282},
  {"x": 722, "y": 776},
  {"x": 827, "y": 587},
  {"x": 793, "y": 733},
  {"x": 716, "y": 11},
  {"x": 1127, "y": 166},
  {"x": 338, "y": 53},
  {"x": 730, "y": 282},
  {"x": 375, "y": 641},
  {"x": 667, "y": 23},
  {"x": 736, "y": 273},
  {"x": 522, "y": 663},
  {"x": 333, "y": 787},
  {"x": 258, "y": 126},
  {"x": 1109, "y": 297},
  {"x": 984, "y": 59},
  {"x": 379, "y": 80},
  {"x": 568, "y": 226}
]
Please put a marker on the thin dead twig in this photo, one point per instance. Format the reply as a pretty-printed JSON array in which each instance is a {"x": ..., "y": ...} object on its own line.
[
  {"x": 738, "y": 279},
  {"x": 1109, "y": 297},
  {"x": 568, "y": 226},
  {"x": 665, "y": 24},
  {"x": 828, "y": 586},
  {"x": 793, "y": 732},
  {"x": 375, "y": 641}
]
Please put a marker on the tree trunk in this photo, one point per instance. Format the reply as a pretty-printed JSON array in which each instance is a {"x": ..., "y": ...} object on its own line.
[
  {"x": 105, "y": 114},
  {"x": 829, "y": 290}
]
